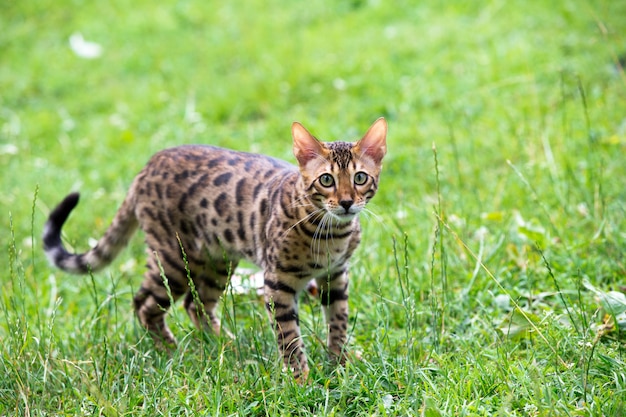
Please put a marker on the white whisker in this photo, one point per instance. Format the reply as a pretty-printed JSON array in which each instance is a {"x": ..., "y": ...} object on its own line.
[
  {"x": 316, "y": 243},
  {"x": 316, "y": 240},
  {"x": 329, "y": 232},
  {"x": 305, "y": 218},
  {"x": 370, "y": 214},
  {"x": 302, "y": 199}
]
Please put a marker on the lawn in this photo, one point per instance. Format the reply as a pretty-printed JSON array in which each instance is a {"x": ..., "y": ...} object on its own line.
[{"x": 490, "y": 280}]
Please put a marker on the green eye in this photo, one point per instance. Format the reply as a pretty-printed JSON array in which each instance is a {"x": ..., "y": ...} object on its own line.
[
  {"x": 360, "y": 178},
  {"x": 327, "y": 180}
]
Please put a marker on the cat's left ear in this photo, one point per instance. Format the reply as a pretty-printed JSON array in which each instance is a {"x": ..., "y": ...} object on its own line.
[
  {"x": 374, "y": 143},
  {"x": 305, "y": 146}
]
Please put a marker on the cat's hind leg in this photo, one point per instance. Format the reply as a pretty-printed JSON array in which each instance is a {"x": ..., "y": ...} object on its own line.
[
  {"x": 206, "y": 289},
  {"x": 164, "y": 282}
]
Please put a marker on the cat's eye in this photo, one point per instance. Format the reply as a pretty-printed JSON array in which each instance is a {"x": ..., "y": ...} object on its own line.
[
  {"x": 360, "y": 178},
  {"x": 327, "y": 180}
]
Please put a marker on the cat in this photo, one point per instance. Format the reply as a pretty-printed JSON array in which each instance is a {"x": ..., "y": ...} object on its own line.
[{"x": 204, "y": 208}]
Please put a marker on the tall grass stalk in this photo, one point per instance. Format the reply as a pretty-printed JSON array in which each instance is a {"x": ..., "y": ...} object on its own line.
[{"x": 438, "y": 284}]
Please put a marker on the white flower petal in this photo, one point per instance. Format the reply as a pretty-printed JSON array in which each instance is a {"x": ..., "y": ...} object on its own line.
[{"x": 83, "y": 48}]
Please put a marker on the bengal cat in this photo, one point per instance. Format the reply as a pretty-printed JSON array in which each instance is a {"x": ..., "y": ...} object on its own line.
[{"x": 203, "y": 208}]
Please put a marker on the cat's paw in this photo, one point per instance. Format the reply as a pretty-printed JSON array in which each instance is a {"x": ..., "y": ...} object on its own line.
[
  {"x": 346, "y": 356},
  {"x": 303, "y": 378},
  {"x": 300, "y": 375}
]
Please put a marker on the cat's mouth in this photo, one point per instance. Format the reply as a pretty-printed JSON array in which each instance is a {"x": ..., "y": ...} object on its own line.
[{"x": 342, "y": 215}]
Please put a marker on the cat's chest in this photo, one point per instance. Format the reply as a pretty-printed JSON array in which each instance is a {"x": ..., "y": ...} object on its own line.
[{"x": 312, "y": 251}]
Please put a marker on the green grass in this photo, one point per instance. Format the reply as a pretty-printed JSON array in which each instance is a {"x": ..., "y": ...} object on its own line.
[{"x": 502, "y": 198}]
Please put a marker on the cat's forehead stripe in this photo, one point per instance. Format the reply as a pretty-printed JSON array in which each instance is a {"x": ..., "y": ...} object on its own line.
[{"x": 341, "y": 153}]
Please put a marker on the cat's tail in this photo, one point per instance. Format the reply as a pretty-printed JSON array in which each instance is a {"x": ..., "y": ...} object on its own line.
[{"x": 114, "y": 240}]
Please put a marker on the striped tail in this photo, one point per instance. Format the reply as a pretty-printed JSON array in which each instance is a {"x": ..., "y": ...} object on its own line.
[{"x": 108, "y": 247}]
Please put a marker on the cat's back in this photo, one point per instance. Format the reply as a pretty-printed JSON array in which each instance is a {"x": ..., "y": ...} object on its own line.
[
  {"x": 193, "y": 160},
  {"x": 191, "y": 178}
]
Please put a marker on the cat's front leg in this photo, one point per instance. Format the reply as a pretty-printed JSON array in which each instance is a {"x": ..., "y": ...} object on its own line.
[
  {"x": 282, "y": 306},
  {"x": 333, "y": 293}
]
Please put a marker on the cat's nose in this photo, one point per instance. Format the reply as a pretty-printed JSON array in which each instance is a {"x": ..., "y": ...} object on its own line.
[{"x": 346, "y": 204}]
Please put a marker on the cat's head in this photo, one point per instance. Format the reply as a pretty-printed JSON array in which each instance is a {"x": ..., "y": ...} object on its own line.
[{"x": 341, "y": 177}]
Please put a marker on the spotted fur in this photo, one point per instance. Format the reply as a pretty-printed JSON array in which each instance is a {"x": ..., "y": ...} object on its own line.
[{"x": 204, "y": 208}]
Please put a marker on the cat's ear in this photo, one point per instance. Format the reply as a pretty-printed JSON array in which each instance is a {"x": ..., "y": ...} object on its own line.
[
  {"x": 374, "y": 143},
  {"x": 305, "y": 146}
]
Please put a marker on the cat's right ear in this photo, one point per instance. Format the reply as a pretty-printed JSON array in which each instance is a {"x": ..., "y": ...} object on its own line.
[{"x": 305, "y": 146}]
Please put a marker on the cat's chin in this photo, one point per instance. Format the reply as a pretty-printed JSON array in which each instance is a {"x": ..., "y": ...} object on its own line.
[{"x": 343, "y": 217}]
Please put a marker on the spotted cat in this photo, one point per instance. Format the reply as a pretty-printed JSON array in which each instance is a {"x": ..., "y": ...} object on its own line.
[{"x": 204, "y": 208}]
